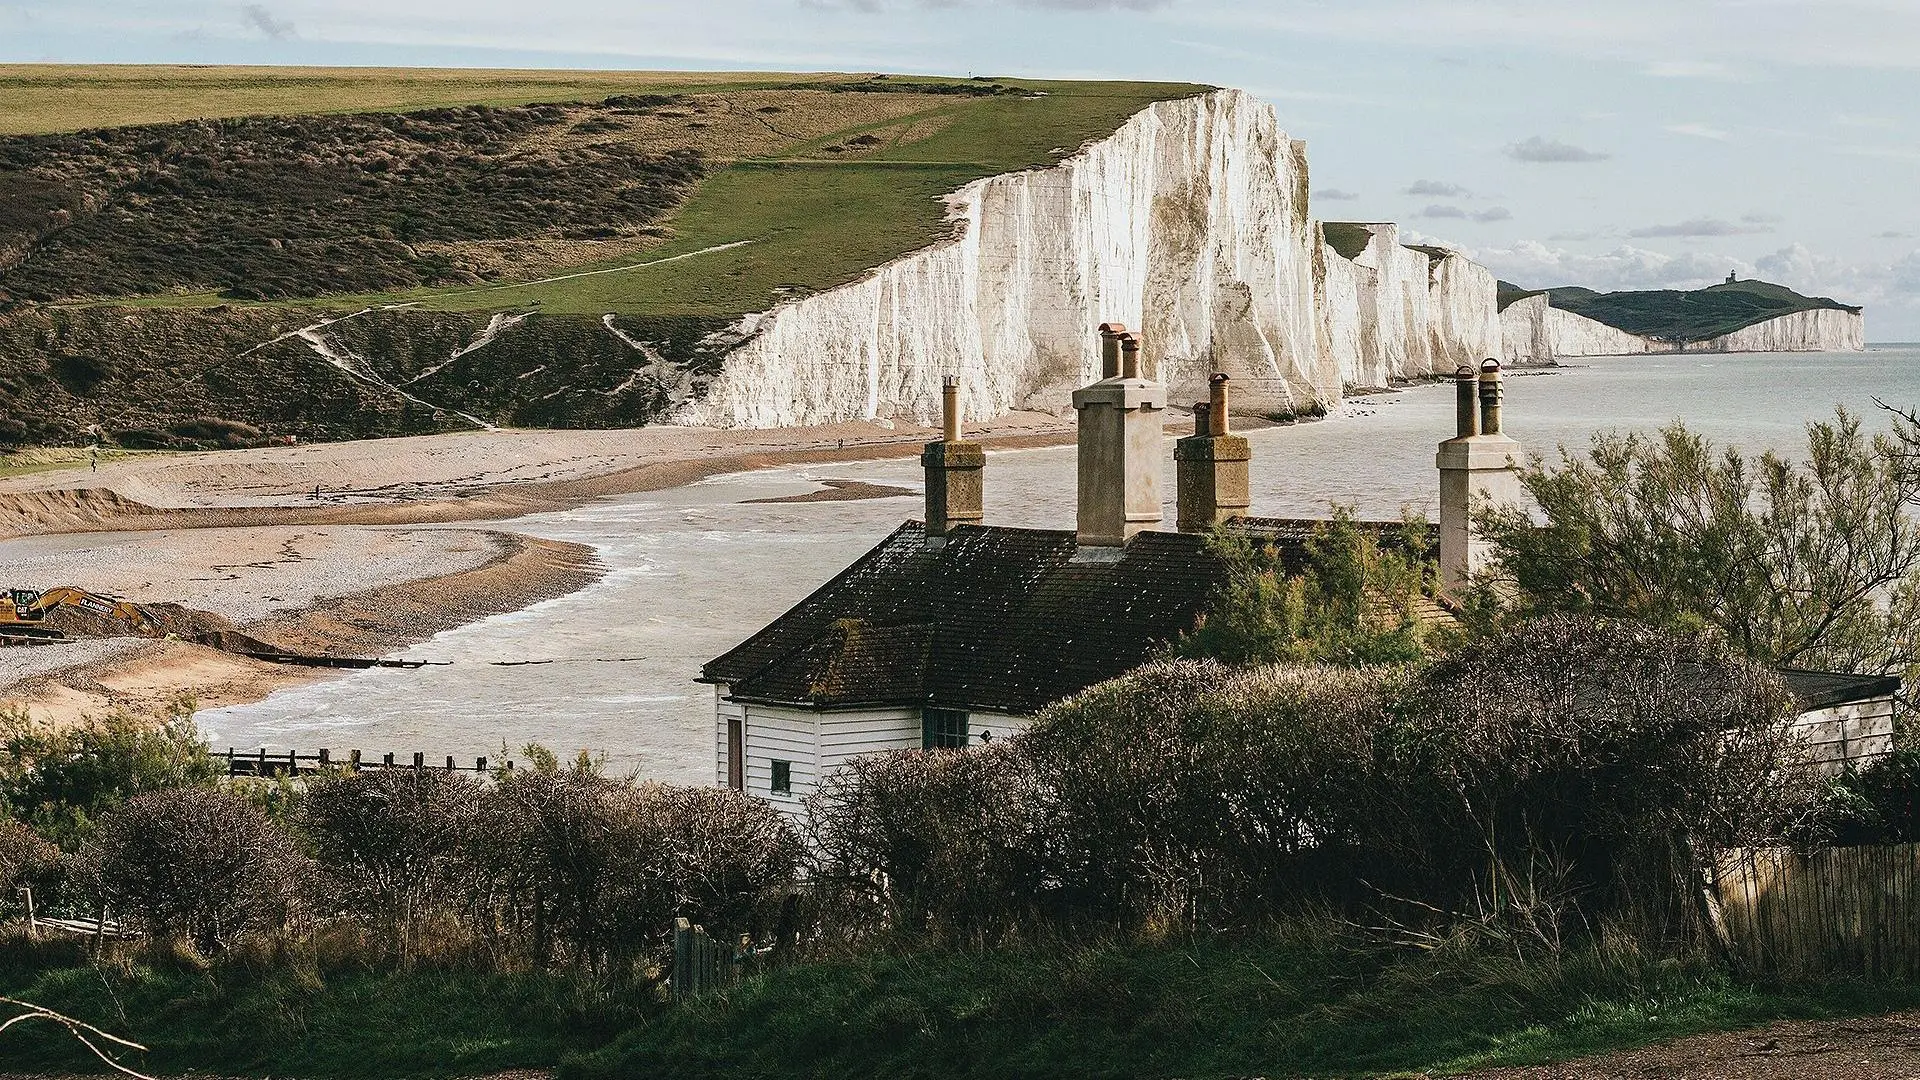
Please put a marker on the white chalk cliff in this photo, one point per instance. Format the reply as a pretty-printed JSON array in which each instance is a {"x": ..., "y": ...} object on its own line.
[
  {"x": 1190, "y": 225},
  {"x": 1393, "y": 312},
  {"x": 1819, "y": 330},
  {"x": 1535, "y": 331}
]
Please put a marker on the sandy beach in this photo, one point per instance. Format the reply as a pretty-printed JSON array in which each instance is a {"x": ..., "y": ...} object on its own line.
[{"x": 356, "y": 548}]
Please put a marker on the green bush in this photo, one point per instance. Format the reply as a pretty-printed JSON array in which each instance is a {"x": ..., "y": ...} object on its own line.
[{"x": 59, "y": 778}]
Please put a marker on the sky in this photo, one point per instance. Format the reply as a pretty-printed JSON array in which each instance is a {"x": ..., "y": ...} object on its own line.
[{"x": 1608, "y": 143}]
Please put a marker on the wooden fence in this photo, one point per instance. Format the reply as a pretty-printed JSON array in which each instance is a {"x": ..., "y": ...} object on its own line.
[
  {"x": 702, "y": 965},
  {"x": 1844, "y": 911},
  {"x": 295, "y": 763}
]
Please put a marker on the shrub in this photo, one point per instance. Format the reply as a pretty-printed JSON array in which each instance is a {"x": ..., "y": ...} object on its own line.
[
  {"x": 595, "y": 870},
  {"x": 1190, "y": 791},
  {"x": 391, "y": 841},
  {"x": 1813, "y": 563},
  {"x": 1608, "y": 752},
  {"x": 24, "y": 857},
  {"x": 58, "y": 778},
  {"x": 1355, "y": 599},
  {"x": 941, "y": 841},
  {"x": 205, "y": 866}
]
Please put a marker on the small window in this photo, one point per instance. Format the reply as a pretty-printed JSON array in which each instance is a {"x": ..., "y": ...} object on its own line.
[
  {"x": 941, "y": 728},
  {"x": 783, "y": 777}
]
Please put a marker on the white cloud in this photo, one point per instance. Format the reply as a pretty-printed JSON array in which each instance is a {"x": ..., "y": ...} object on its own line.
[
  {"x": 1494, "y": 213},
  {"x": 1693, "y": 69},
  {"x": 1700, "y": 226},
  {"x": 1437, "y": 187},
  {"x": 1539, "y": 148},
  {"x": 1536, "y": 265},
  {"x": 1331, "y": 194},
  {"x": 1438, "y": 210},
  {"x": 1699, "y": 131}
]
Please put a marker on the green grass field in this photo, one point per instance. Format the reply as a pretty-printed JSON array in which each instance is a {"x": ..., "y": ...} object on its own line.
[
  {"x": 812, "y": 224},
  {"x": 1285, "y": 1004}
]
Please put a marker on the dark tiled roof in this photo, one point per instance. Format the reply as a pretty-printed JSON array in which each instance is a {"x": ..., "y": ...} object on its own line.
[
  {"x": 999, "y": 619},
  {"x": 1825, "y": 689}
]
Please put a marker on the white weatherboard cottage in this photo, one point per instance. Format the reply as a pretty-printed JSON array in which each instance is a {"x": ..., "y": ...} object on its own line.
[{"x": 954, "y": 633}]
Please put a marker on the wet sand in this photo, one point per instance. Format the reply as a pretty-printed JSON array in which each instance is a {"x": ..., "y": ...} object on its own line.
[{"x": 242, "y": 534}]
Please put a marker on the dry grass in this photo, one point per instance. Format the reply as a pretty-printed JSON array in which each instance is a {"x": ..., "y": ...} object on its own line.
[{"x": 40, "y": 98}]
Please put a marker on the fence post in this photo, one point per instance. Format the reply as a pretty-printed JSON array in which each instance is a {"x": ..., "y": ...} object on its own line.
[
  {"x": 33, "y": 923},
  {"x": 326, "y": 759},
  {"x": 230, "y": 772},
  {"x": 261, "y": 768},
  {"x": 449, "y": 762},
  {"x": 419, "y": 760},
  {"x": 386, "y": 761},
  {"x": 480, "y": 765},
  {"x": 353, "y": 760},
  {"x": 682, "y": 959},
  {"x": 293, "y": 762}
]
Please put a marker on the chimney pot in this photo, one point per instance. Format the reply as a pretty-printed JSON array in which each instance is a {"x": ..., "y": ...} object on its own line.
[
  {"x": 1217, "y": 419},
  {"x": 1491, "y": 393},
  {"x": 1467, "y": 406},
  {"x": 1130, "y": 356},
  {"x": 1201, "y": 425},
  {"x": 950, "y": 409},
  {"x": 1110, "y": 334}
]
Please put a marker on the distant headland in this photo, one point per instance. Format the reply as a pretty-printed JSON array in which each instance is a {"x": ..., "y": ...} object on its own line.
[{"x": 1734, "y": 316}]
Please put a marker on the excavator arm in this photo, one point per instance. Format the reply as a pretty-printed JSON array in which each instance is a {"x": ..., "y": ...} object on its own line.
[{"x": 25, "y": 612}]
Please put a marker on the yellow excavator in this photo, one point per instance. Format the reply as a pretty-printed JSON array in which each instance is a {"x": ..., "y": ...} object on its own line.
[{"x": 23, "y": 612}]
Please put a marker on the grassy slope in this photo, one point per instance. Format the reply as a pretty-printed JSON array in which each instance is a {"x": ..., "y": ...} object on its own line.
[
  {"x": 815, "y": 222},
  {"x": 1282, "y": 1005}
]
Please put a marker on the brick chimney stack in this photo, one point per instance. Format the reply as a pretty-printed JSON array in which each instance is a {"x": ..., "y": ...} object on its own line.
[
  {"x": 1479, "y": 465},
  {"x": 1120, "y": 448},
  {"x": 955, "y": 485},
  {"x": 1212, "y": 466}
]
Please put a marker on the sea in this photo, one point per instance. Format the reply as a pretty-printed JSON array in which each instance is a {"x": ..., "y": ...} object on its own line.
[{"x": 693, "y": 570}]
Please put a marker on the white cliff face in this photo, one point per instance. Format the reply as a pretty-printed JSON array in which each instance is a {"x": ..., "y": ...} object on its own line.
[
  {"x": 1188, "y": 224},
  {"x": 1394, "y": 313},
  {"x": 1463, "y": 314},
  {"x": 1533, "y": 331},
  {"x": 1373, "y": 311},
  {"x": 1820, "y": 330}
]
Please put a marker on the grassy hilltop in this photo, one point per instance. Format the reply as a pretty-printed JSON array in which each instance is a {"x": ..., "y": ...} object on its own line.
[{"x": 159, "y": 224}]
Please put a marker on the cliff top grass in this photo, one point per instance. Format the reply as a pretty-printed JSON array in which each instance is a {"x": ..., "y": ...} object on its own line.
[
  {"x": 644, "y": 193},
  {"x": 39, "y": 99}
]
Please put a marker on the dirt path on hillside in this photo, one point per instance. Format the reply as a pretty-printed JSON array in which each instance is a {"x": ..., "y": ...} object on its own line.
[{"x": 1869, "y": 1048}]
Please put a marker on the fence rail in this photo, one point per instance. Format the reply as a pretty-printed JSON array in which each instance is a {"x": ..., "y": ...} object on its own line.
[
  {"x": 295, "y": 763},
  {"x": 1838, "y": 911}
]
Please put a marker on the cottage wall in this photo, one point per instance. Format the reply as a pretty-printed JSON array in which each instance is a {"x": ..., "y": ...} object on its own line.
[{"x": 1851, "y": 734}]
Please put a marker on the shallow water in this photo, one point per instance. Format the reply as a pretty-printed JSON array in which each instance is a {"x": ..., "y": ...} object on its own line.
[{"x": 695, "y": 569}]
